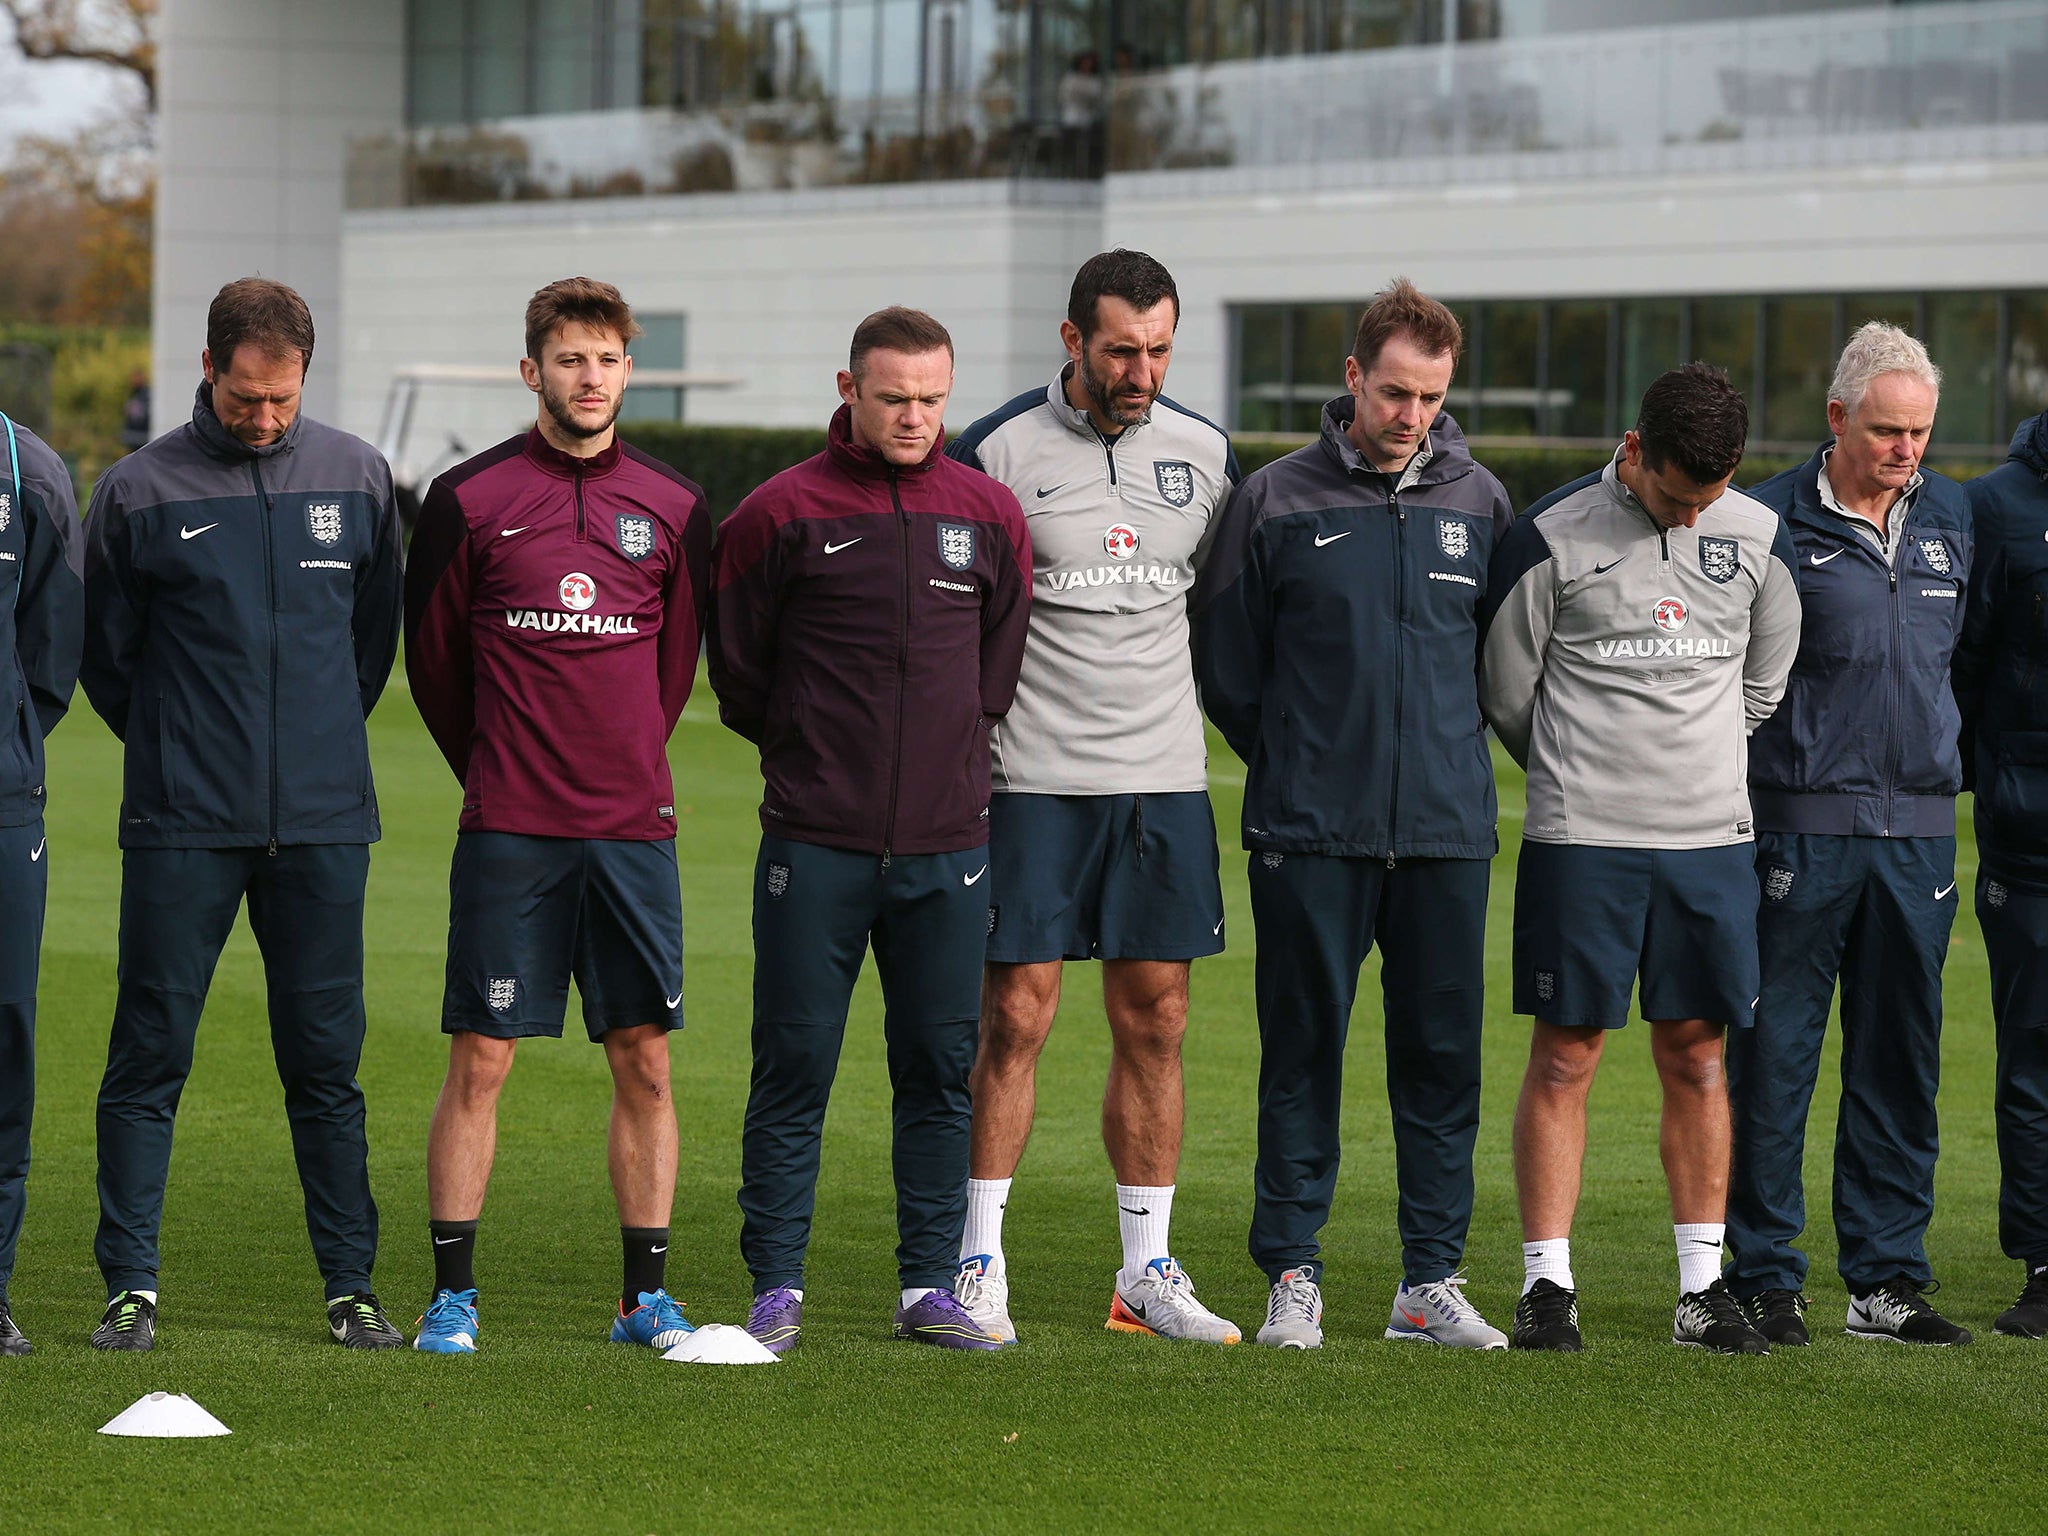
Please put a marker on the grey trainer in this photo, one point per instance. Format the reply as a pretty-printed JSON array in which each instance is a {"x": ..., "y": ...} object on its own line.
[
  {"x": 1294, "y": 1312},
  {"x": 1438, "y": 1313}
]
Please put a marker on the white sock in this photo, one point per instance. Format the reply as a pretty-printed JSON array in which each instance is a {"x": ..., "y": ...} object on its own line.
[
  {"x": 1143, "y": 1212},
  {"x": 913, "y": 1294},
  {"x": 1699, "y": 1254},
  {"x": 983, "y": 1233},
  {"x": 1550, "y": 1259},
  {"x": 148, "y": 1296}
]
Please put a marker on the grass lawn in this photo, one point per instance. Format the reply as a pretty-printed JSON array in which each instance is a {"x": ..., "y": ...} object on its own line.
[{"x": 550, "y": 1428}]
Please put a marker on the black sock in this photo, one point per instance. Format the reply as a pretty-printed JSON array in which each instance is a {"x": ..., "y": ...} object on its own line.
[
  {"x": 454, "y": 1255},
  {"x": 646, "y": 1259}
]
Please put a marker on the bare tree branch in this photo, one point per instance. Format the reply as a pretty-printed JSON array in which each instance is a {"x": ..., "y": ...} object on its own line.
[{"x": 118, "y": 33}]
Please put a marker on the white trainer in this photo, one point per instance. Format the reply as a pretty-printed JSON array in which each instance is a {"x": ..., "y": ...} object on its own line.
[
  {"x": 1294, "y": 1312},
  {"x": 1163, "y": 1303},
  {"x": 1438, "y": 1313},
  {"x": 984, "y": 1290}
]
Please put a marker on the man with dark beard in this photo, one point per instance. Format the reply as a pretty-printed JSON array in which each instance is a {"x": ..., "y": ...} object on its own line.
[
  {"x": 553, "y": 609},
  {"x": 1101, "y": 841}
]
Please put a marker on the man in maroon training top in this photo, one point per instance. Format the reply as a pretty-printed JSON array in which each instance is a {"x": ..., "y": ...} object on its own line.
[
  {"x": 869, "y": 621},
  {"x": 553, "y": 610}
]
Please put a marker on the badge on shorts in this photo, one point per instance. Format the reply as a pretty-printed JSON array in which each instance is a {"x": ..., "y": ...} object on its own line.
[
  {"x": 956, "y": 545},
  {"x": 1994, "y": 894},
  {"x": 1546, "y": 986},
  {"x": 1176, "y": 479},
  {"x": 1720, "y": 559},
  {"x": 994, "y": 916},
  {"x": 1272, "y": 860},
  {"x": 1454, "y": 537},
  {"x": 1777, "y": 883},
  {"x": 778, "y": 879},
  {"x": 323, "y": 521},
  {"x": 1935, "y": 553},
  {"x": 501, "y": 992},
  {"x": 636, "y": 537}
]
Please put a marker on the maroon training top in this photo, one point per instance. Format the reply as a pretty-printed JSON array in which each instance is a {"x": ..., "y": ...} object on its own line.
[
  {"x": 868, "y": 623},
  {"x": 553, "y": 612}
]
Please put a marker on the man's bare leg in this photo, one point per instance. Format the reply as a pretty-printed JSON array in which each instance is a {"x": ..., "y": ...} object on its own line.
[
  {"x": 1143, "y": 1103},
  {"x": 1550, "y": 1127},
  {"x": 641, "y": 1144},
  {"x": 1017, "y": 1007},
  {"x": 1694, "y": 1136},
  {"x": 462, "y": 1140}
]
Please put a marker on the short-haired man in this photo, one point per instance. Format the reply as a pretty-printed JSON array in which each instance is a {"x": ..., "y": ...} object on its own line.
[
  {"x": 1336, "y": 636},
  {"x": 1102, "y": 843},
  {"x": 553, "y": 614},
  {"x": 870, "y": 611},
  {"x": 1999, "y": 667},
  {"x": 1639, "y": 624},
  {"x": 42, "y": 623},
  {"x": 242, "y": 605},
  {"x": 1854, "y": 782}
]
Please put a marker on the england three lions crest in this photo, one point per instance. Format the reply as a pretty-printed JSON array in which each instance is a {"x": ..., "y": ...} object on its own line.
[
  {"x": 1454, "y": 537},
  {"x": 6, "y": 509},
  {"x": 636, "y": 537},
  {"x": 323, "y": 521},
  {"x": 501, "y": 992},
  {"x": 1720, "y": 559},
  {"x": 1935, "y": 553},
  {"x": 956, "y": 545},
  {"x": 1176, "y": 479}
]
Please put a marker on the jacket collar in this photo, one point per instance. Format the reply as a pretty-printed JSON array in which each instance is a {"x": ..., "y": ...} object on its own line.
[
  {"x": 2030, "y": 444},
  {"x": 862, "y": 462},
  {"x": 1080, "y": 421},
  {"x": 223, "y": 444},
  {"x": 1443, "y": 456},
  {"x": 567, "y": 465}
]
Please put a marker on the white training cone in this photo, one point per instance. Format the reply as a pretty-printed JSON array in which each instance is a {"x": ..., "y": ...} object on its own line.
[
  {"x": 722, "y": 1344},
  {"x": 165, "y": 1416}
]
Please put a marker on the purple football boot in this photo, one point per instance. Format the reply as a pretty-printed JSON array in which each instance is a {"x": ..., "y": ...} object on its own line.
[
  {"x": 777, "y": 1319},
  {"x": 938, "y": 1318}
]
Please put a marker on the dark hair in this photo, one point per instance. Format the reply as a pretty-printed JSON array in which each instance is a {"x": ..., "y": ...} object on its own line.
[
  {"x": 1694, "y": 419},
  {"x": 896, "y": 329},
  {"x": 577, "y": 301},
  {"x": 1131, "y": 276},
  {"x": 260, "y": 313},
  {"x": 1402, "y": 309}
]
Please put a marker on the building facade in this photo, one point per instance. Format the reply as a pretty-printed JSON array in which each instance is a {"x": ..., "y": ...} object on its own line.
[{"x": 1602, "y": 189}]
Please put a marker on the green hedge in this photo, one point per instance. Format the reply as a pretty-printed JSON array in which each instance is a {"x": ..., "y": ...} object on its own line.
[{"x": 730, "y": 461}]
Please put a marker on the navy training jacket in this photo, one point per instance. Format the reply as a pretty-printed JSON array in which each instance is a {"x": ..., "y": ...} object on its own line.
[
  {"x": 42, "y": 614},
  {"x": 242, "y": 614},
  {"x": 1867, "y": 742},
  {"x": 2001, "y": 671},
  {"x": 1336, "y": 637}
]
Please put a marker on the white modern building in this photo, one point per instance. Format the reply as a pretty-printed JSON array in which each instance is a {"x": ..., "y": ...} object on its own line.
[{"x": 1602, "y": 189}]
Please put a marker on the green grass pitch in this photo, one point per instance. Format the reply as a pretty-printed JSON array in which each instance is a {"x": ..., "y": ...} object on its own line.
[{"x": 550, "y": 1428}]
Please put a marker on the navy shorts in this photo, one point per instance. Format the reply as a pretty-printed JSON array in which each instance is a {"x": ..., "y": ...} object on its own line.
[
  {"x": 1589, "y": 921},
  {"x": 527, "y": 913},
  {"x": 1103, "y": 877}
]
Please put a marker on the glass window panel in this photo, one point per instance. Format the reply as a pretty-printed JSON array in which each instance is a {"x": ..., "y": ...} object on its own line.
[
  {"x": 859, "y": 26},
  {"x": 1799, "y": 359},
  {"x": 1508, "y": 383},
  {"x": 2026, "y": 371},
  {"x": 435, "y": 60},
  {"x": 1322, "y": 340},
  {"x": 565, "y": 56},
  {"x": 902, "y": 36},
  {"x": 1652, "y": 337},
  {"x": 1458, "y": 401},
  {"x": 1898, "y": 308},
  {"x": 498, "y": 58},
  {"x": 660, "y": 344},
  {"x": 1261, "y": 366},
  {"x": 1962, "y": 336},
  {"x": 1578, "y": 370},
  {"x": 1724, "y": 334}
]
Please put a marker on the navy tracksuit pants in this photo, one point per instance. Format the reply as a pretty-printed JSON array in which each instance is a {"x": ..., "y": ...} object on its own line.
[
  {"x": 24, "y": 885},
  {"x": 1317, "y": 917},
  {"x": 177, "y": 908},
  {"x": 2015, "y": 924},
  {"x": 815, "y": 912},
  {"x": 1874, "y": 912}
]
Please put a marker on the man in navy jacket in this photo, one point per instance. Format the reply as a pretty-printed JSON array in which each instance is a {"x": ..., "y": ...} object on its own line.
[
  {"x": 2001, "y": 678},
  {"x": 1854, "y": 781},
  {"x": 242, "y": 607}
]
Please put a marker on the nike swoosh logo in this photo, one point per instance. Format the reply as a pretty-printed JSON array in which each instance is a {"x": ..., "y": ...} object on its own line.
[
  {"x": 1938, "y": 895},
  {"x": 1824, "y": 559},
  {"x": 506, "y": 533},
  {"x": 1333, "y": 538},
  {"x": 37, "y": 855},
  {"x": 662, "y": 1249},
  {"x": 443, "y": 1242},
  {"x": 833, "y": 549},
  {"x": 1050, "y": 489},
  {"x": 193, "y": 533},
  {"x": 672, "y": 1002},
  {"x": 970, "y": 879},
  {"x": 1129, "y": 1212},
  {"x": 1415, "y": 1319},
  {"x": 1602, "y": 570},
  {"x": 1219, "y": 926}
]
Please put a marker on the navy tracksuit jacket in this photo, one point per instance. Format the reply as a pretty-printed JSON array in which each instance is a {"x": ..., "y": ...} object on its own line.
[
  {"x": 242, "y": 612},
  {"x": 1853, "y": 781},
  {"x": 1336, "y": 639},
  {"x": 41, "y": 623},
  {"x": 2002, "y": 684}
]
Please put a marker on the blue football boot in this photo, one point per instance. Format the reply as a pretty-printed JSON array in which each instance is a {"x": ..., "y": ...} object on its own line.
[
  {"x": 449, "y": 1327},
  {"x": 658, "y": 1322}
]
